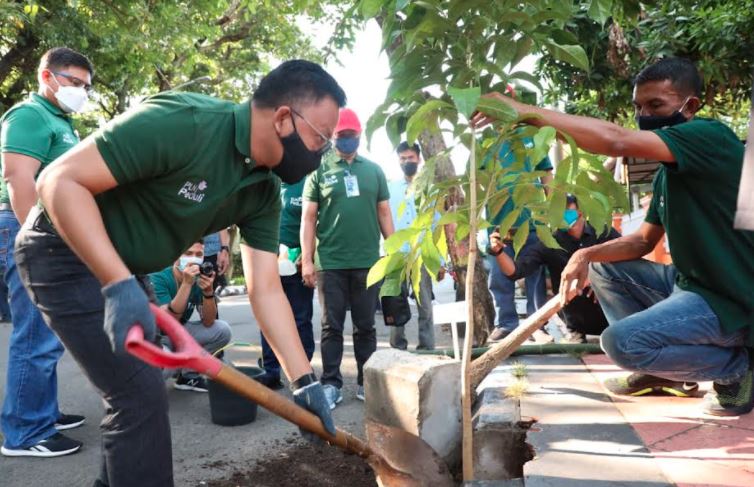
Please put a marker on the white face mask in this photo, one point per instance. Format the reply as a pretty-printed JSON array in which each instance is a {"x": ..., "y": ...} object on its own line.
[
  {"x": 70, "y": 98},
  {"x": 187, "y": 260}
]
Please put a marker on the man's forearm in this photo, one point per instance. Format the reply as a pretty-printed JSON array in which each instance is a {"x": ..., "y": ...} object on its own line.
[
  {"x": 179, "y": 303},
  {"x": 208, "y": 311},
  {"x": 307, "y": 239},
  {"x": 77, "y": 219},
  {"x": 23, "y": 196},
  {"x": 224, "y": 237},
  {"x": 594, "y": 135},
  {"x": 506, "y": 264},
  {"x": 385, "y": 218},
  {"x": 630, "y": 247}
]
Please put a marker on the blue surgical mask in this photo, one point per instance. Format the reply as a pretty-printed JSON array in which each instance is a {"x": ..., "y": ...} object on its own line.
[
  {"x": 347, "y": 145},
  {"x": 570, "y": 217},
  {"x": 186, "y": 261}
]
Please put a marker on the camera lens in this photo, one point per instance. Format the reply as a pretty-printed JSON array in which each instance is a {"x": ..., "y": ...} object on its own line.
[{"x": 207, "y": 268}]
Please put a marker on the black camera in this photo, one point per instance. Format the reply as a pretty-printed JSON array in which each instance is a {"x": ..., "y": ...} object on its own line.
[{"x": 207, "y": 268}]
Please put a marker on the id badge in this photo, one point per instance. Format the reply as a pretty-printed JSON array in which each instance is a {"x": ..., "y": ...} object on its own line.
[{"x": 352, "y": 186}]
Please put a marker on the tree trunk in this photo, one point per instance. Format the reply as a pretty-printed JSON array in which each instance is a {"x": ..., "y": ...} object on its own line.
[{"x": 483, "y": 308}]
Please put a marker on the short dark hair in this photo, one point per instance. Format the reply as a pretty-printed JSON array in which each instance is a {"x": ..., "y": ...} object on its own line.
[
  {"x": 297, "y": 80},
  {"x": 572, "y": 200},
  {"x": 62, "y": 57},
  {"x": 403, "y": 147},
  {"x": 681, "y": 72}
]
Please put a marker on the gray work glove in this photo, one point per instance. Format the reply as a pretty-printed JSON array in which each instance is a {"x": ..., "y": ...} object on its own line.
[
  {"x": 312, "y": 398},
  {"x": 126, "y": 304}
]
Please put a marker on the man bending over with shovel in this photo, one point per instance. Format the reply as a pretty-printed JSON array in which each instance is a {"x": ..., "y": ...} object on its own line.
[
  {"x": 131, "y": 198},
  {"x": 691, "y": 321}
]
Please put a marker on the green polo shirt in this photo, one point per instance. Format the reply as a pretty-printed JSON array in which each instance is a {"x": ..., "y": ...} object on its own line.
[
  {"x": 291, "y": 196},
  {"x": 35, "y": 128},
  {"x": 348, "y": 231},
  {"x": 165, "y": 289},
  {"x": 184, "y": 170},
  {"x": 695, "y": 201}
]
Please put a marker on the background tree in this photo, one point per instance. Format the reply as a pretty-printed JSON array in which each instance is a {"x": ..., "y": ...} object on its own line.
[
  {"x": 443, "y": 55},
  {"x": 717, "y": 35},
  {"x": 145, "y": 46}
]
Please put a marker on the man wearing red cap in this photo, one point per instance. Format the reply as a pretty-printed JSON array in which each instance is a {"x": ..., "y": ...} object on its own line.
[{"x": 346, "y": 205}]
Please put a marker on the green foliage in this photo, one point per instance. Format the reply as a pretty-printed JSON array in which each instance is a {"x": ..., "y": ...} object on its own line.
[
  {"x": 716, "y": 35},
  {"x": 457, "y": 50},
  {"x": 142, "y": 47}
]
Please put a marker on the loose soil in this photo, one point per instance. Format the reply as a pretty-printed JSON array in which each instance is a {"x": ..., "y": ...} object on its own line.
[{"x": 302, "y": 465}]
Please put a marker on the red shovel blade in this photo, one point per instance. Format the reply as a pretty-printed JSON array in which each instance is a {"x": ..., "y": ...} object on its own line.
[{"x": 188, "y": 354}]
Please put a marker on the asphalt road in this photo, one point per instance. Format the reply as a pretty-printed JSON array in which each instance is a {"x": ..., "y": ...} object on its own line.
[{"x": 201, "y": 450}]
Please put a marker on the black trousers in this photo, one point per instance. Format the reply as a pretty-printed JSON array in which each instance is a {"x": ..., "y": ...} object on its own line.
[
  {"x": 585, "y": 316},
  {"x": 337, "y": 290},
  {"x": 136, "y": 446}
]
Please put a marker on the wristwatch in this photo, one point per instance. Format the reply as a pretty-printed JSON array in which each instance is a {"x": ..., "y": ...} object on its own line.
[
  {"x": 225, "y": 248},
  {"x": 303, "y": 381}
]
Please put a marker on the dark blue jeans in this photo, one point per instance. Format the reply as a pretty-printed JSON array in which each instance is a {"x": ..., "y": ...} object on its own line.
[
  {"x": 30, "y": 408},
  {"x": 504, "y": 290},
  {"x": 301, "y": 299},
  {"x": 659, "y": 329},
  {"x": 136, "y": 447}
]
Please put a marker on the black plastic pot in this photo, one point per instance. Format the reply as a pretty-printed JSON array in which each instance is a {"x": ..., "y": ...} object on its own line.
[{"x": 228, "y": 408}]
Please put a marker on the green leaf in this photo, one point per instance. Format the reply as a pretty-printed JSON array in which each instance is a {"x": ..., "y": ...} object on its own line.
[
  {"x": 395, "y": 241},
  {"x": 462, "y": 231},
  {"x": 557, "y": 207},
  {"x": 391, "y": 286},
  {"x": 370, "y": 8},
  {"x": 425, "y": 118},
  {"x": 600, "y": 10},
  {"x": 508, "y": 222},
  {"x": 465, "y": 99},
  {"x": 431, "y": 256},
  {"x": 544, "y": 235},
  {"x": 440, "y": 241},
  {"x": 519, "y": 239},
  {"x": 498, "y": 109},
  {"x": 384, "y": 266},
  {"x": 569, "y": 53}
]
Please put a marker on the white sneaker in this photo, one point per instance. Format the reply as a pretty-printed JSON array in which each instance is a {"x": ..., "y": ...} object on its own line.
[{"x": 360, "y": 393}]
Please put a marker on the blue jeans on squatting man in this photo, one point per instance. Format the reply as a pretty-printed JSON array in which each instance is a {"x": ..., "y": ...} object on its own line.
[
  {"x": 30, "y": 409},
  {"x": 659, "y": 329}
]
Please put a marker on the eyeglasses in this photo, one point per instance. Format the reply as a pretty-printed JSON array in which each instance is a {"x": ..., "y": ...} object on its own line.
[
  {"x": 78, "y": 83},
  {"x": 326, "y": 146}
]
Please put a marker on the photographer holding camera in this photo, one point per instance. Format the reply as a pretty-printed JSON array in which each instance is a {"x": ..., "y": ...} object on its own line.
[{"x": 183, "y": 287}]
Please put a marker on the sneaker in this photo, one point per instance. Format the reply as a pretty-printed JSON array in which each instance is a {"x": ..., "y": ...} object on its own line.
[
  {"x": 360, "y": 393},
  {"x": 732, "y": 399},
  {"x": 56, "y": 445},
  {"x": 196, "y": 384},
  {"x": 574, "y": 337},
  {"x": 643, "y": 384},
  {"x": 541, "y": 337},
  {"x": 69, "y": 421},
  {"x": 333, "y": 395},
  {"x": 498, "y": 334}
]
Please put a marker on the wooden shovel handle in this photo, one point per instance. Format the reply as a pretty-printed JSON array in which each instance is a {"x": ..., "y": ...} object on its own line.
[
  {"x": 286, "y": 409},
  {"x": 502, "y": 350}
]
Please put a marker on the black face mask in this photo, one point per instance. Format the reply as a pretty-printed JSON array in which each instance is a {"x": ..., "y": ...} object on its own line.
[
  {"x": 298, "y": 160},
  {"x": 652, "y": 122},
  {"x": 410, "y": 168}
]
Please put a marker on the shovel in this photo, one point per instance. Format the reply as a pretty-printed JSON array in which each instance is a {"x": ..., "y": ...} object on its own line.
[{"x": 398, "y": 458}]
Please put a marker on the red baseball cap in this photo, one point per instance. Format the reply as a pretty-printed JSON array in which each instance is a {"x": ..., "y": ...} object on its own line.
[{"x": 348, "y": 121}]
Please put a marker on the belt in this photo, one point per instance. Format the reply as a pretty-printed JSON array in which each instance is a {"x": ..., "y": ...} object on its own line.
[{"x": 6, "y": 207}]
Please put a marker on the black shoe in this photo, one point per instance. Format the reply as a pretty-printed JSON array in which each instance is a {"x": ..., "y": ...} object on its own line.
[
  {"x": 498, "y": 334},
  {"x": 196, "y": 384},
  {"x": 732, "y": 399},
  {"x": 271, "y": 381},
  {"x": 56, "y": 445},
  {"x": 69, "y": 421},
  {"x": 643, "y": 384}
]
